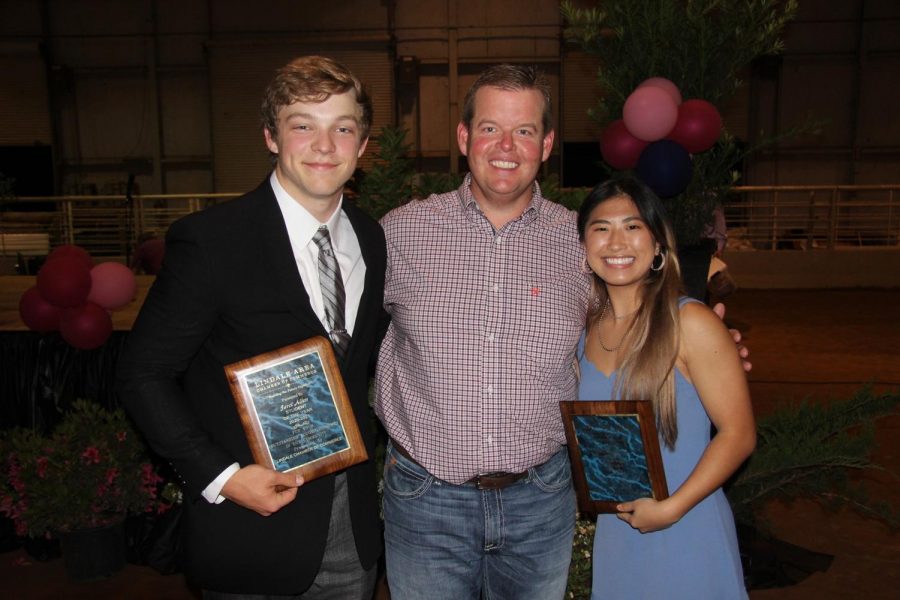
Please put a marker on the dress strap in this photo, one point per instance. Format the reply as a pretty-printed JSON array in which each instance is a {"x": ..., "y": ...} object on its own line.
[{"x": 685, "y": 300}]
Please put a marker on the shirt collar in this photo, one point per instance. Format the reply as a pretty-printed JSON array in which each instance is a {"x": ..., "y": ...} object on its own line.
[
  {"x": 469, "y": 203},
  {"x": 302, "y": 226}
]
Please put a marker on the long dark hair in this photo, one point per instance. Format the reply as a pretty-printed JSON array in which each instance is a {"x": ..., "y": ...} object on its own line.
[{"x": 647, "y": 368}]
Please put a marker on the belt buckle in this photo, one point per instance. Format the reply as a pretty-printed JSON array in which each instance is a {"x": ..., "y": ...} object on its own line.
[{"x": 494, "y": 481}]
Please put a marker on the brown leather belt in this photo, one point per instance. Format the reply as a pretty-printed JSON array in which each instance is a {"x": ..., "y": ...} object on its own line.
[
  {"x": 495, "y": 481},
  {"x": 488, "y": 481}
]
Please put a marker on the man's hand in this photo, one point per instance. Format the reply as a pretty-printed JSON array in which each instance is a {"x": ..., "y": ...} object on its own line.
[
  {"x": 261, "y": 490},
  {"x": 743, "y": 351}
]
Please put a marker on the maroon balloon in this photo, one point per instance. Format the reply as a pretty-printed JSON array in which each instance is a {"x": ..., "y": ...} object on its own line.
[
  {"x": 37, "y": 313},
  {"x": 64, "y": 281},
  {"x": 86, "y": 327},
  {"x": 698, "y": 127},
  {"x": 71, "y": 251},
  {"x": 620, "y": 149}
]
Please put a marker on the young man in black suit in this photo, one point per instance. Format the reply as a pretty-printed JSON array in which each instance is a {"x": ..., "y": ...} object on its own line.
[{"x": 241, "y": 279}]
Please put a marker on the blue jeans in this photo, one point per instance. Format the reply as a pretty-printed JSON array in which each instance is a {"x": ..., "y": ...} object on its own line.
[{"x": 457, "y": 542}]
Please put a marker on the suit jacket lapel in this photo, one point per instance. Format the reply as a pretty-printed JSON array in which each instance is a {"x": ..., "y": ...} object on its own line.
[
  {"x": 368, "y": 295},
  {"x": 279, "y": 258}
]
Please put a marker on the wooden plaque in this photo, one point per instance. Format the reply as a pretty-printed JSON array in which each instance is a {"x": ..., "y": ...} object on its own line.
[
  {"x": 295, "y": 409},
  {"x": 614, "y": 450}
]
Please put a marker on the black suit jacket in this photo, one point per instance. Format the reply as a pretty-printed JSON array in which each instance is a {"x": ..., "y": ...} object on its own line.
[{"x": 229, "y": 290}]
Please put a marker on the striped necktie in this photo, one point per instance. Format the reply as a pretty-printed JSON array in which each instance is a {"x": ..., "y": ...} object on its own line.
[{"x": 332, "y": 291}]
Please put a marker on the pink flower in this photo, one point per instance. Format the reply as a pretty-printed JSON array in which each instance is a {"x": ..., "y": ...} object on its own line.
[
  {"x": 91, "y": 455},
  {"x": 111, "y": 475},
  {"x": 42, "y": 466},
  {"x": 16, "y": 482},
  {"x": 149, "y": 476},
  {"x": 121, "y": 436}
]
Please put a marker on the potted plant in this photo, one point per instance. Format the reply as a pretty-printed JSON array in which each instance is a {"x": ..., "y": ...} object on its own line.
[
  {"x": 79, "y": 484},
  {"x": 702, "y": 47}
]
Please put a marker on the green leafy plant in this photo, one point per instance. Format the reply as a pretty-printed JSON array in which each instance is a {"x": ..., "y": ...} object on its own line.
[
  {"x": 389, "y": 183},
  {"x": 703, "y": 47},
  {"x": 435, "y": 183},
  {"x": 393, "y": 180},
  {"x": 571, "y": 198},
  {"x": 581, "y": 567},
  {"x": 93, "y": 470},
  {"x": 813, "y": 451}
]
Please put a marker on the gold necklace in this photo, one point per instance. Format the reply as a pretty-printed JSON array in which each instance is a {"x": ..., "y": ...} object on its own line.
[{"x": 624, "y": 335}]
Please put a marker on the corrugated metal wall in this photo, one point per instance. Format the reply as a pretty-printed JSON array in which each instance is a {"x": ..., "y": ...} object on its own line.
[
  {"x": 24, "y": 112},
  {"x": 238, "y": 74}
]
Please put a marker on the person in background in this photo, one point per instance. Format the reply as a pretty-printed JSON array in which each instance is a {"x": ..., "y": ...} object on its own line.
[
  {"x": 720, "y": 284},
  {"x": 644, "y": 340},
  {"x": 244, "y": 278}
]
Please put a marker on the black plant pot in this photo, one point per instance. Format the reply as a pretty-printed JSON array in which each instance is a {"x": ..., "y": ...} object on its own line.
[
  {"x": 769, "y": 562},
  {"x": 94, "y": 554}
]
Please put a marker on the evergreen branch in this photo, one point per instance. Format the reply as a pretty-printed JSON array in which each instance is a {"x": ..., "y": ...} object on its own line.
[
  {"x": 883, "y": 513},
  {"x": 779, "y": 484}
]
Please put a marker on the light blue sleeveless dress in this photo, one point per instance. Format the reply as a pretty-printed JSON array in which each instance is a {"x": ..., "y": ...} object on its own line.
[{"x": 696, "y": 558}]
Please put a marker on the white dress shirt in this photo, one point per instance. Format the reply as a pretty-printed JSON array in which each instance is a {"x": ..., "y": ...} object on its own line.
[{"x": 302, "y": 226}]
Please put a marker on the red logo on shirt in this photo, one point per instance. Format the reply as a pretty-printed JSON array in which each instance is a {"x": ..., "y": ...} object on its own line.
[{"x": 535, "y": 291}]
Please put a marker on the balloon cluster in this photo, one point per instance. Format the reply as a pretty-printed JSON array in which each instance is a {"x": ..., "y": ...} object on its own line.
[
  {"x": 657, "y": 135},
  {"x": 75, "y": 297}
]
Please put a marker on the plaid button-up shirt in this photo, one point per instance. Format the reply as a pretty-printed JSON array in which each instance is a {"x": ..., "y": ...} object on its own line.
[{"x": 481, "y": 347}]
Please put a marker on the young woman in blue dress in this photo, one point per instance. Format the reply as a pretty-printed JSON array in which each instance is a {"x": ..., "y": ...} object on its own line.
[{"x": 644, "y": 340}]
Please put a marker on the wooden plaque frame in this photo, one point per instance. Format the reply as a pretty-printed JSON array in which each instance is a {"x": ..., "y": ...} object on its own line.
[{"x": 640, "y": 458}]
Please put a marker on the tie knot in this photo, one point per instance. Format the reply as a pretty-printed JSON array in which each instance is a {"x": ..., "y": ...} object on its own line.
[{"x": 322, "y": 239}]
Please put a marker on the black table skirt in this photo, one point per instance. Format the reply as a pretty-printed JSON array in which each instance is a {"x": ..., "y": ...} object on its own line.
[{"x": 41, "y": 375}]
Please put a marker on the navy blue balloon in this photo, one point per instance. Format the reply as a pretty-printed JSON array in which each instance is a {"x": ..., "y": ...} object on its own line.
[{"x": 666, "y": 167}]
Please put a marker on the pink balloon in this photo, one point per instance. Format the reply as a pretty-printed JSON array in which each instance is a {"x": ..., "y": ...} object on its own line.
[
  {"x": 113, "y": 285},
  {"x": 698, "y": 127},
  {"x": 86, "y": 327},
  {"x": 620, "y": 149},
  {"x": 71, "y": 251},
  {"x": 64, "y": 281},
  {"x": 649, "y": 113},
  {"x": 664, "y": 84},
  {"x": 37, "y": 313}
]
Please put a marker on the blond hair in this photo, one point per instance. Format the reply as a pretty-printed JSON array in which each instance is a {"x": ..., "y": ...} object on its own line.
[{"x": 312, "y": 79}]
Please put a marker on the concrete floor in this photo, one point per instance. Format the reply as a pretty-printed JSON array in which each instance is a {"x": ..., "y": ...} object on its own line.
[{"x": 805, "y": 344}]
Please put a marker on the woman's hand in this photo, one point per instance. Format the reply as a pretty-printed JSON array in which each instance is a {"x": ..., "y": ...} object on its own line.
[{"x": 647, "y": 514}]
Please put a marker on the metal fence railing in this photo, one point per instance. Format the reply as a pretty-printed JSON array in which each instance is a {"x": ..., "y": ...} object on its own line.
[
  {"x": 760, "y": 217},
  {"x": 103, "y": 225},
  {"x": 813, "y": 216}
]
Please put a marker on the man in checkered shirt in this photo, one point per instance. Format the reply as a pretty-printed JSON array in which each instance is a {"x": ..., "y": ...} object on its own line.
[{"x": 488, "y": 299}]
